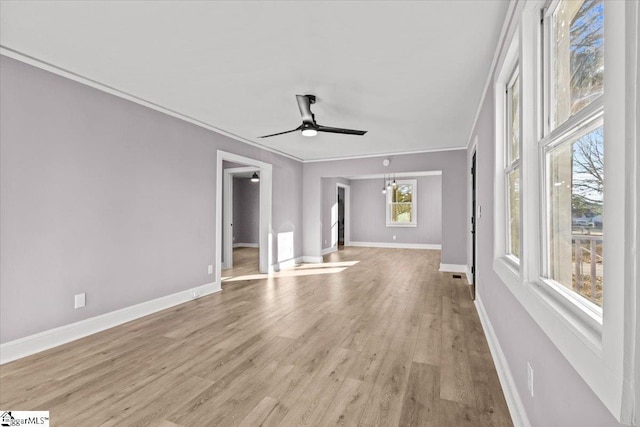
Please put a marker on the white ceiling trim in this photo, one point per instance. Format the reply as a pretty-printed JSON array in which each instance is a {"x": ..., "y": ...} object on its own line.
[
  {"x": 19, "y": 56},
  {"x": 395, "y": 175},
  {"x": 390, "y": 154}
]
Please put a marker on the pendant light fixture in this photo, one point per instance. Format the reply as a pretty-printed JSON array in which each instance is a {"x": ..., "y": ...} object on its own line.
[
  {"x": 384, "y": 188},
  {"x": 255, "y": 177},
  {"x": 394, "y": 184}
]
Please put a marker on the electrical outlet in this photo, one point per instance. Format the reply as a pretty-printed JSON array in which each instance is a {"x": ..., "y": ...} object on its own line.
[
  {"x": 210, "y": 269},
  {"x": 530, "y": 378},
  {"x": 80, "y": 300},
  {"x": 325, "y": 242},
  {"x": 394, "y": 237}
]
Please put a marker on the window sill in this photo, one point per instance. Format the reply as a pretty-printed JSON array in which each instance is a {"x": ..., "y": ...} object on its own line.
[
  {"x": 582, "y": 323},
  {"x": 585, "y": 324},
  {"x": 508, "y": 270}
]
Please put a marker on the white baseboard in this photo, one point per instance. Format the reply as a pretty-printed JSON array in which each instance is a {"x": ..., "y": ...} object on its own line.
[
  {"x": 396, "y": 245},
  {"x": 453, "y": 268},
  {"x": 41, "y": 341},
  {"x": 246, "y": 245},
  {"x": 329, "y": 250},
  {"x": 514, "y": 402},
  {"x": 278, "y": 266},
  {"x": 313, "y": 259}
]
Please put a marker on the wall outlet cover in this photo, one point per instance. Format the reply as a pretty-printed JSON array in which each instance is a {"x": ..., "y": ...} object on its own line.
[{"x": 80, "y": 300}]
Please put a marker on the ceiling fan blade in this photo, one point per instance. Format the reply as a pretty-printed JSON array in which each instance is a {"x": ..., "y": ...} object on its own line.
[
  {"x": 340, "y": 130},
  {"x": 304, "y": 104},
  {"x": 281, "y": 133}
]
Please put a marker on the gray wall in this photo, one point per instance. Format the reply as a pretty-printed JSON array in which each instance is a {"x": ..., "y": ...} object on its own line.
[
  {"x": 454, "y": 195},
  {"x": 104, "y": 196},
  {"x": 368, "y": 213},
  {"x": 246, "y": 211},
  {"x": 562, "y": 398}
]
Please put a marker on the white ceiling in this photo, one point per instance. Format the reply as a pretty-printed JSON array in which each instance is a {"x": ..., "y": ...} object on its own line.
[{"x": 411, "y": 73}]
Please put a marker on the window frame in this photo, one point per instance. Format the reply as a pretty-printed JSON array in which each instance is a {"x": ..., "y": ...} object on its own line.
[
  {"x": 509, "y": 265},
  {"x": 552, "y": 135},
  {"x": 514, "y": 165},
  {"x": 594, "y": 348},
  {"x": 414, "y": 204},
  {"x": 584, "y": 308}
]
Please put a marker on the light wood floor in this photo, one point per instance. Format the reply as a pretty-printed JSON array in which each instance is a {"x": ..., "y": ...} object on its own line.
[{"x": 388, "y": 341}]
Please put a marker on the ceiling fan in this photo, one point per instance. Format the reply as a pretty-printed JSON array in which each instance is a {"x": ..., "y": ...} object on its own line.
[{"x": 309, "y": 127}]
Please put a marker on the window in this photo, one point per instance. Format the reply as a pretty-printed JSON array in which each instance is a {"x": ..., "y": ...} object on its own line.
[
  {"x": 573, "y": 152},
  {"x": 512, "y": 166},
  {"x": 571, "y": 113},
  {"x": 577, "y": 57},
  {"x": 401, "y": 204}
]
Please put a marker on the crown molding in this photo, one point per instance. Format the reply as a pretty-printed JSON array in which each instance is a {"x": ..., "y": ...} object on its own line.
[
  {"x": 30, "y": 60},
  {"x": 399, "y": 153}
]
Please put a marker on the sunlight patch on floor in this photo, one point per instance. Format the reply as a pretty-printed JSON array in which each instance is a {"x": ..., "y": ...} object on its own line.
[
  {"x": 298, "y": 270},
  {"x": 325, "y": 265},
  {"x": 285, "y": 273}
]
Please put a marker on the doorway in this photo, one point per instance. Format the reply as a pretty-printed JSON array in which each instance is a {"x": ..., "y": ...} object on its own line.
[
  {"x": 265, "y": 249},
  {"x": 473, "y": 225},
  {"x": 343, "y": 194},
  {"x": 240, "y": 215},
  {"x": 340, "y": 218}
]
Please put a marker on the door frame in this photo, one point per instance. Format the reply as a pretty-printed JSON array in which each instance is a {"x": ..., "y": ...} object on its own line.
[
  {"x": 227, "y": 214},
  {"x": 474, "y": 222},
  {"x": 266, "y": 203},
  {"x": 472, "y": 269},
  {"x": 347, "y": 212}
]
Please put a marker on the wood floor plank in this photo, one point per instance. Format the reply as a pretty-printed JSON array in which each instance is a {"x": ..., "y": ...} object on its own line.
[
  {"x": 385, "y": 339},
  {"x": 348, "y": 403},
  {"x": 385, "y": 401},
  {"x": 456, "y": 382},
  {"x": 451, "y": 314},
  {"x": 491, "y": 404},
  {"x": 421, "y": 404},
  {"x": 315, "y": 399},
  {"x": 459, "y": 415},
  {"x": 259, "y": 413},
  {"x": 429, "y": 342}
]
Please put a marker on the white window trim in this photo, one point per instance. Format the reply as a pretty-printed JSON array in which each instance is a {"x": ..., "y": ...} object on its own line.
[
  {"x": 414, "y": 203},
  {"x": 596, "y": 351},
  {"x": 510, "y": 68},
  {"x": 511, "y": 166}
]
